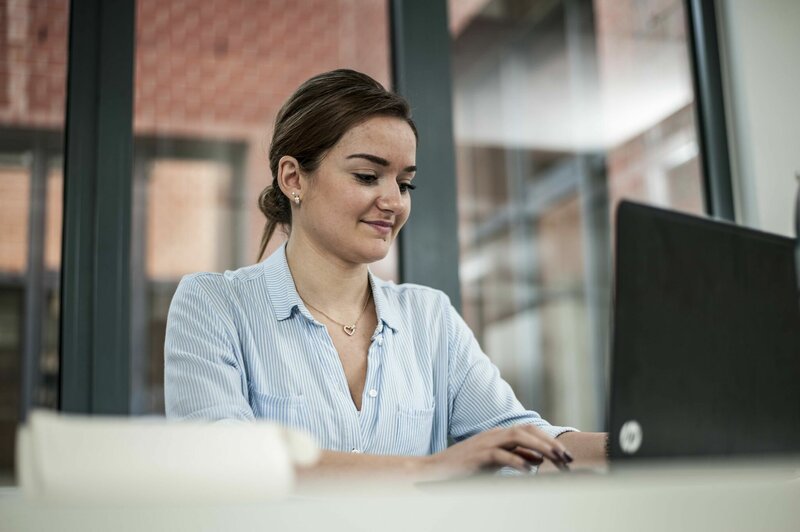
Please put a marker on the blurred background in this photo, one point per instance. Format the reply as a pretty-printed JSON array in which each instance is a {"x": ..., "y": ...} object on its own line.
[{"x": 560, "y": 108}]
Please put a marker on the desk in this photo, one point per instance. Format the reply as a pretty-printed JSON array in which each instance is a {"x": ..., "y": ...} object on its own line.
[{"x": 728, "y": 497}]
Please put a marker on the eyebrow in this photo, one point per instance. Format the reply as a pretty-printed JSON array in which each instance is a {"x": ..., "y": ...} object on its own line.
[{"x": 379, "y": 161}]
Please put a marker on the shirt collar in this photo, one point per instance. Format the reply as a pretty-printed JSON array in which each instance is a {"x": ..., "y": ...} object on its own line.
[
  {"x": 385, "y": 311},
  {"x": 284, "y": 297},
  {"x": 280, "y": 285}
]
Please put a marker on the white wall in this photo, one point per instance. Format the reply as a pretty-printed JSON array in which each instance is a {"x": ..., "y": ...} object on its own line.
[{"x": 761, "y": 56}]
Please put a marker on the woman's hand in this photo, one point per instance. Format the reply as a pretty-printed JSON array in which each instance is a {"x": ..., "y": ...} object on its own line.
[{"x": 520, "y": 447}]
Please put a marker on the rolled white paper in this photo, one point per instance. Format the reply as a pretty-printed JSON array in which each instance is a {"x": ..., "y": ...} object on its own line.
[{"x": 81, "y": 458}]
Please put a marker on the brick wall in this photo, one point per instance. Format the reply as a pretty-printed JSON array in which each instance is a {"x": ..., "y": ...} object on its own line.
[
  {"x": 224, "y": 67},
  {"x": 203, "y": 67},
  {"x": 33, "y": 61}
]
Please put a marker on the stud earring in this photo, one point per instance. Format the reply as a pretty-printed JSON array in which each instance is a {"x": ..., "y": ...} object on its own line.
[{"x": 296, "y": 198}]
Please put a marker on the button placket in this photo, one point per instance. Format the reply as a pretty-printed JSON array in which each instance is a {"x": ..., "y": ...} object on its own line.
[{"x": 370, "y": 397}]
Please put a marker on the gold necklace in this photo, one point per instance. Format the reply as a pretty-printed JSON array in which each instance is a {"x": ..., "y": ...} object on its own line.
[{"x": 349, "y": 330}]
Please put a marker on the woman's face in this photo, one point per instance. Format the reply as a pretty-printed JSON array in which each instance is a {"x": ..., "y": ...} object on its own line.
[{"x": 355, "y": 203}]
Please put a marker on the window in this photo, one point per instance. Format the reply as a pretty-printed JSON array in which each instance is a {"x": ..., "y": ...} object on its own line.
[{"x": 561, "y": 109}]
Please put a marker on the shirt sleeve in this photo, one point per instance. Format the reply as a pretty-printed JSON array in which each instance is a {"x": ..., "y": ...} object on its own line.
[
  {"x": 203, "y": 377},
  {"x": 479, "y": 399}
]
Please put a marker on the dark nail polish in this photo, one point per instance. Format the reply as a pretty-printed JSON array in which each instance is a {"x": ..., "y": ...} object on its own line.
[{"x": 570, "y": 459}]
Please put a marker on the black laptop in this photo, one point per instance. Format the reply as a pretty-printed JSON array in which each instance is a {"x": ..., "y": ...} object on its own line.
[{"x": 706, "y": 339}]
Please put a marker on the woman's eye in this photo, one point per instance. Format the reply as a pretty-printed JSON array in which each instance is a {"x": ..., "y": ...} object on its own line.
[
  {"x": 366, "y": 178},
  {"x": 406, "y": 187}
]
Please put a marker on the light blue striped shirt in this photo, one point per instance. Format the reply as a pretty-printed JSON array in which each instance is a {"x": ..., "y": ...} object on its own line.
[{"x": 242, "y": 345}]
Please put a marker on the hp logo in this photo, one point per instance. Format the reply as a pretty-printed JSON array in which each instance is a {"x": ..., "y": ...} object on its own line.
[{"x": 630, "y": 437}]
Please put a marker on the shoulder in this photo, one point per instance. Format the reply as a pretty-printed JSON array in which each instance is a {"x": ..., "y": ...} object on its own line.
[
  {"x": 221, "y": 287},
  {"x": 421, "y": 305},
  {"x": 229, "y": 277},
  {"x": 411, "y": 294}
]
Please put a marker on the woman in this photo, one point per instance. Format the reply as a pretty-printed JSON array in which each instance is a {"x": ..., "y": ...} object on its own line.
[{"x": 381, "y": 374}]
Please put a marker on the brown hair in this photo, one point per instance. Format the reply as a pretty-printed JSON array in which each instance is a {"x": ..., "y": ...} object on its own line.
[{"x": 312, "y": 121}]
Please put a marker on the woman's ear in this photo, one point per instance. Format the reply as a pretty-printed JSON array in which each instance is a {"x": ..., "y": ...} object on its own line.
[{"x": 289, "y": 173}]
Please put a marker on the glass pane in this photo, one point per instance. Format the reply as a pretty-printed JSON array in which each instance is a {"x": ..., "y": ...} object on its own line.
[
  {"x": 561, "y": 109},
  {"x": 210, "y": 77},
  {"x": 33, "y": 64}
]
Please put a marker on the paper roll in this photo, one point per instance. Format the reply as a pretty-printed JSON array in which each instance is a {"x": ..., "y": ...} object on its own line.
[{"x": 81, "y": 458}]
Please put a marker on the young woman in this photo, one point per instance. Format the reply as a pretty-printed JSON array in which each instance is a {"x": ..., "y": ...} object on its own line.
[{"x": 382, "y": 375}]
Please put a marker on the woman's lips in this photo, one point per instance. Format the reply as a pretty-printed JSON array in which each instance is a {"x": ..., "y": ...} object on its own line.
[{"x": 383, "y": 228}]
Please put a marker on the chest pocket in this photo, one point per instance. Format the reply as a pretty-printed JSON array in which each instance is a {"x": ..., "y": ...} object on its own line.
[
  {"x": 414, "y": 426},
  {"x": 289, "y": 411}
]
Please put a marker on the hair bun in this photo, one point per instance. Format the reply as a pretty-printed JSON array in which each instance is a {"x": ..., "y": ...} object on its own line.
[{"x": 276, "y": 208}]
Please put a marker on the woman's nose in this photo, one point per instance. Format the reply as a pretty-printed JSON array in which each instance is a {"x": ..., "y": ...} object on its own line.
[{"x": 391, "y": 198}]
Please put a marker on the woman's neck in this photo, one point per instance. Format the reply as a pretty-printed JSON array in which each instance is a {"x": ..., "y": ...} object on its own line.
[{"x": 325, "y": 281}]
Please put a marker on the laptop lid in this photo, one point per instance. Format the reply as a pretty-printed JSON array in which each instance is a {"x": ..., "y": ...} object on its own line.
[{"x": 706, "y": 339}]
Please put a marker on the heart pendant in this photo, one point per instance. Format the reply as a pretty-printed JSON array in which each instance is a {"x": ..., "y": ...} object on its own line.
[{"x": 349, "y": 329}]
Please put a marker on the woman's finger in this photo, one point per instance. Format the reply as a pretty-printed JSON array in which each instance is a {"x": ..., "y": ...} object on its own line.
[
  {"x": 531, "y": 456},
  {"x": 537, "y": 459},
  {"x": 535, "y": 440},
  {"x": 502, "y": 458},
  {"x": 557, "y": 446}
]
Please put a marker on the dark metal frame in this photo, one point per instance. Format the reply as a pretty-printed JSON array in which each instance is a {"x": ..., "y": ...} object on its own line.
[
  {"x": 711, "y": 123},
  {"x": 34, "y": 293},
  {"x": 95, "y": 313},
  {"x": 429, "y": 251}
]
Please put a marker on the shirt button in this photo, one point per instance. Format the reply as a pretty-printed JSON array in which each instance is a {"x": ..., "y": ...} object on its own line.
[
  {"x": 380, "y": 340},
  {"x": 355, "y": 451},
  {"x": 373, "y": 393}
]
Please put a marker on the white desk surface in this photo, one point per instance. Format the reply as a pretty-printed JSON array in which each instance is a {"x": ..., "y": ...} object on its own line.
[{"x": 730, "y": 497}]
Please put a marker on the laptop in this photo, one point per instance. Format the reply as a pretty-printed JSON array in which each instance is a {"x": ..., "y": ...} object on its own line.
[{"x": 706, "y": 339}]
